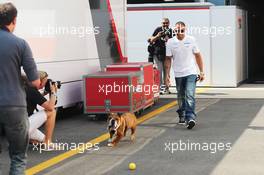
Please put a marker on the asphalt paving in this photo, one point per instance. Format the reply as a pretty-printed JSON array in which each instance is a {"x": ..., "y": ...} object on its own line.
[
  {"x": 72, "y": 127},
  {"x": 219, "y": 126},
  {"x": 226, "y": 140}
]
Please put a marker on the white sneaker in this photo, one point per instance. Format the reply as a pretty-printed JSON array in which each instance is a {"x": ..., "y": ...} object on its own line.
[{"x": 190, "y": 124}]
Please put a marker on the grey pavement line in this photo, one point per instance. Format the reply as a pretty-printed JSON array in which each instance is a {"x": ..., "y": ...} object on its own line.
[
  {"x": 207, "y": 104},
  {"x": 133, "y": 152}
]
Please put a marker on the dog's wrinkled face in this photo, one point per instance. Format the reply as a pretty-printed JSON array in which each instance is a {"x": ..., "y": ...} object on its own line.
[{"x": 113, "y": 122}]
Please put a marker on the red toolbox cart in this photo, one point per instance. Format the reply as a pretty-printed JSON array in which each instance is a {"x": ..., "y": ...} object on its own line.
[
  {"x": 146, "y": 75},
  {"x": 115, "y": 91}
]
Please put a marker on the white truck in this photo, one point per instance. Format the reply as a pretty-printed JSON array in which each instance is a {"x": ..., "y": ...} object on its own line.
[{"x": 72, "y": 38}]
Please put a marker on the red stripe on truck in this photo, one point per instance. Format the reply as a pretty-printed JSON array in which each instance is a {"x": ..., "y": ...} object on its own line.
[
  {"x": 122, "y": 58},
  {"x": 165, "y": 8}
]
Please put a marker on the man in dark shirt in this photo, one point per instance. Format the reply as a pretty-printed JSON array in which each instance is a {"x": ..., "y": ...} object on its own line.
[
  {"x": 34, "y": 98},
  {"x": 159, "y": 38},
  {"x": 14, "y": 54},
  {"x": 47, "y": 115}
]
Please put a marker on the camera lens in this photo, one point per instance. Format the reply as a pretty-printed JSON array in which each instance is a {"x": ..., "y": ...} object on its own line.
[{"x": 58, "y": 84}]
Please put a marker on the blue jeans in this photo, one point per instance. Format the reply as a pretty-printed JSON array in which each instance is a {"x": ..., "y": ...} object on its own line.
[
  {"x": 186, "y": 96},
  {"x": 14, "y": 122}
]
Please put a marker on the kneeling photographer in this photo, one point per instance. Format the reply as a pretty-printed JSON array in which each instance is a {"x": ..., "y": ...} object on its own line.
[
  {"x": 48, "y": 115},
  {"x": 157, "y": 49}
]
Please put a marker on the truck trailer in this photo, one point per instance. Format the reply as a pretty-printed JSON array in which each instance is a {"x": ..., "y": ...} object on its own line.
[{"x": 70, "y": 39}]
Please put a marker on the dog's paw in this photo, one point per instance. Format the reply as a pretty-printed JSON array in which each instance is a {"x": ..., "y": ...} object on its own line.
[
  {"x": 132, "y": 138},
  {"x": 110, "y": 144}
]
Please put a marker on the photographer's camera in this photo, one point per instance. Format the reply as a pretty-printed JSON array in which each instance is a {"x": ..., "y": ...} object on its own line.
[
  {"x": 165, "y": 32},
  {"x": 50, "y": 83}
]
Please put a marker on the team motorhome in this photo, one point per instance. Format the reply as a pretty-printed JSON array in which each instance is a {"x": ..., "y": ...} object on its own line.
[
  {"x": 221, "y": 33},
  {"x": 72, "y": 38}
]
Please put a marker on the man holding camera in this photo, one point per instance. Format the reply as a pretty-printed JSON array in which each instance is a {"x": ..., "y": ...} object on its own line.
[
  {"x": 159, "y": 38},
  {"x": 47, "y": 116},
  {"x": 14, "y": 54}
]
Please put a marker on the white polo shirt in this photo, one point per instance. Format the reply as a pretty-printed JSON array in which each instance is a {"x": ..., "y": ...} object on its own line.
[{"x": 182, "y": 51}]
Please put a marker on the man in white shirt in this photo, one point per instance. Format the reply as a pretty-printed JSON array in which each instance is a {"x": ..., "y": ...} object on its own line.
[{"x": 184, "y": 52}]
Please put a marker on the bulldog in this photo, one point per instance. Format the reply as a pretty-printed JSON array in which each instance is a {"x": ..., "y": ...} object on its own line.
[{"x": 118, "y": 124}]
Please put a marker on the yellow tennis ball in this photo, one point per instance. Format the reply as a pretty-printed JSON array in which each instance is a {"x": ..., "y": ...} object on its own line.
[{"x": 132, "y": 166}]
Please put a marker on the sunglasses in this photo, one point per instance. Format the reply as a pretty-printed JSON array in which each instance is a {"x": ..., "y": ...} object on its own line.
[
  {"x": 179, "y": 31},
  {"x": 165, "y": 23}
]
